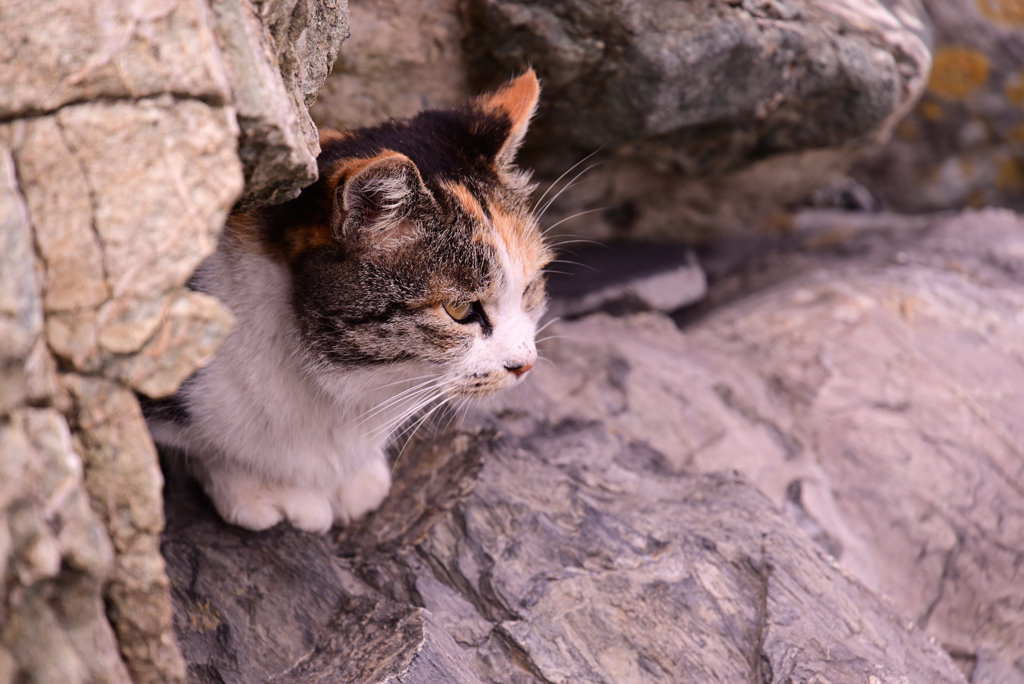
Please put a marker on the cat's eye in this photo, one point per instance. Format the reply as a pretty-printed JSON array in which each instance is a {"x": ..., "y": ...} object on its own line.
[{"x": 458, "y": 311}]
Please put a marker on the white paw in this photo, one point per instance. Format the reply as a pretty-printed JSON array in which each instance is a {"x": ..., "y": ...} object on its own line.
[
  {"x": 247, "y": 503},
  {"x": 364, "y": 492},
  {"x": 307, "y": 510}
]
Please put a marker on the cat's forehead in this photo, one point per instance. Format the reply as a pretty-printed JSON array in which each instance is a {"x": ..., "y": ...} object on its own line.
[{"x": 501, "y": 223}]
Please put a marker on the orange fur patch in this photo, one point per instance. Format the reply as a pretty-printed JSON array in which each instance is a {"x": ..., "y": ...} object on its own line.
[
  {"x": 347, "y": 168},
  {"x": 516, "y": 100},
  {"x": 247, "y": 231},
  {"x": 469, "y": 203},
  {"x": 329, "y": 135},
  {"x": 522, "y": 240}
]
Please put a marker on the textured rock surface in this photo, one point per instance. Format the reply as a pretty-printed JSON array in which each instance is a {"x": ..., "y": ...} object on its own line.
[
  {"x": 716, "y": 115},
  {"x": 612, "y": 570},
  {"x": 119, "y": 161},
  {"x": 117, "y": 231},
  {"x": 66, "y": 51},
  {"x": 708, "y": 87},
  {"x": 278, "y": 53},
  {"x": 403, "y": 57},
  {"x": 54, "y": 552},
  {"x": 964, "y": 143},
  {"x": 868, "y": 388}
]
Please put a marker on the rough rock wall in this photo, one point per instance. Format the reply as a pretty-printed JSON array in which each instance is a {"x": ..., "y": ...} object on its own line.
[
  {"x": 963, "y": 146},
  {"x": 868, "y": 384},
  {"x": 403, "y": 57},
  {"x": 709, "y": 116},
  {"x": 725, "y": 499},
  {"x": 121, "y": 133}
]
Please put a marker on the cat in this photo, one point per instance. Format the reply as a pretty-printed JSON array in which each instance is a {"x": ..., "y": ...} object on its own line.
[{"x": 410, "y": 275}]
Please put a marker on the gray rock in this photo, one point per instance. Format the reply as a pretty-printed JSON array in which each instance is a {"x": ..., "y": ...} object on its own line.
[
  {"x": 963, "y": 145},
  {"x": 625, "y": 277},
  {"x": 571, "y": 554},
  {"x": 404, "y": 56},
  {"x": 868, "y": 387},
  {"x": 707, "y": 88},
  {"x": 612, "y": 528},
  {"x": 278, "y": 53}
]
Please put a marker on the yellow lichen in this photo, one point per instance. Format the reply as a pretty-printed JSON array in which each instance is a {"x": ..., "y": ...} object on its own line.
[
  {"x": 204, "y": 617},
  {"x": 931, "y": 111},
  {"x": 1014, "y": 88},
  {"x": 1016, "y": 134},
  {"x": 1006, "y": 12},
  {"x": 908, "y": 130},
  {"x": 958, "y": 72},
  {"x": 1009, "y": 174}
]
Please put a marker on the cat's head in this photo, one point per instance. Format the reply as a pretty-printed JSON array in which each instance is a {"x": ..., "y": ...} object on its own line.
[{"x": 419, "y": 246}]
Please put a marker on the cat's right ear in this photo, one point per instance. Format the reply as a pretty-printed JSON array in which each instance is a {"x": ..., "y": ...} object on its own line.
[{"x": 373, "y": 204}]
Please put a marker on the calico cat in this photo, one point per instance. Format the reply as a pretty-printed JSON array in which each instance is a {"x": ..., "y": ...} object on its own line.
[{"x": 409, "y": 275}]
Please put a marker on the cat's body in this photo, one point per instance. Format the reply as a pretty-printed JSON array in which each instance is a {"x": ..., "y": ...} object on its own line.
[{"x": 408, "y": 276}]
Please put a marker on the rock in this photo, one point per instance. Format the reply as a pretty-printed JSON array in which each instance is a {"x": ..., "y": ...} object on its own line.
[
  {"x": 714, "y": 117},
  {"x": 68, "y": 52},
  {"x": 267, "y": 46},
  {"x": 963, "y": 146},
  {"x": 625, "y": 277},
  {"x": 606, "y": 525},
  {"x": 708, "y": 88},
  {"x": 403, "y": 57},
  {"x": 54, "y": 558},
  {"x": 123, "y": 479},
  {"x": 54, "y": 553},
  {"x": 473, "y": 571},
  {"x": 108, "y": 284},
  {"x": 21, "y": 311},
  {"x": 833, "y": 390},
  {"x": 119, "y": 162}
]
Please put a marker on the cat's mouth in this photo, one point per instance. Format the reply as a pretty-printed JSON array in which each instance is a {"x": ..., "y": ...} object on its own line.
[{"x": 478, "y": 386}]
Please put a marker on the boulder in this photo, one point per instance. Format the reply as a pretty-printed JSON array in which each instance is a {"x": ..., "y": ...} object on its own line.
[
  {"x": 709, "y": 118},
  {"x": 278, "y": 53},
  {"x": 715, "y": 117},
  {"x": 119, "y": 162},
  {"x": 570, "y": 555},
  {"x": 728, "y": 495},
  {"x": 403, "y": 57},
  {"x": 963, "y": 145},
  {"x": 707, "y": 88}
]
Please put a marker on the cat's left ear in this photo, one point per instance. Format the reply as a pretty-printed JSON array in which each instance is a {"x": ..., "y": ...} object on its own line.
[
  {"x": 516, "y": 102},
  {"x": 373, "y": 206}
]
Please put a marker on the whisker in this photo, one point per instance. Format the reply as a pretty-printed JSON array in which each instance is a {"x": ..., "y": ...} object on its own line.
[
  {"x": 573, "y": 263},
  {"x": 568, "y": 185},
  {"x": 576, "y": 215},
  {"x": 557, "y": 337},
  {"x": 541, "y": 328},
  {"x": 399, "y": 382},
  {"x": 567, "y": 172},
  {"x": 455, "y": 413},
  {"x": 415, "y": 427},
  {"x": 572, "y": 242},
  {"x": 406, "y": 414},
  {"x": 409, "y": 394}
]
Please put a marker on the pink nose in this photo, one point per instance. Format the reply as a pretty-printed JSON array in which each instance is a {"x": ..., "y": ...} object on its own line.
[{"x": 519, "y": 370}]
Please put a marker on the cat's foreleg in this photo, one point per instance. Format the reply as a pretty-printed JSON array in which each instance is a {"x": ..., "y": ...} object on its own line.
[{"x": 363, "y": 492}]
